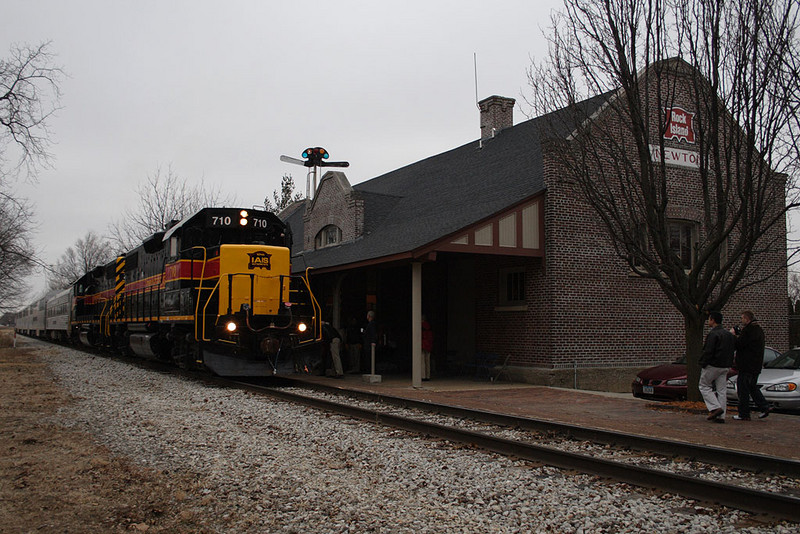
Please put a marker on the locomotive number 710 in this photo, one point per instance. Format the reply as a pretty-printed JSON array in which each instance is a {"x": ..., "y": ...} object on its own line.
[{"x": 217, "y": 220}]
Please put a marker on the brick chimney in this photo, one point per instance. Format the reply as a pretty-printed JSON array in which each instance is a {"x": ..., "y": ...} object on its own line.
[{"x": 497, "y": 113}]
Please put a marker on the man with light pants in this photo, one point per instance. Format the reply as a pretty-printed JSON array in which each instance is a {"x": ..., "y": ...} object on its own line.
[{"x": 715, "y": 362}]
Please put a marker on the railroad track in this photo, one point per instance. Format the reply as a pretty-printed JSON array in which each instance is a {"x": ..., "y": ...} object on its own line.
[
  {"x": 734, "y": 496},
  {"x": 670, "y": 448}
]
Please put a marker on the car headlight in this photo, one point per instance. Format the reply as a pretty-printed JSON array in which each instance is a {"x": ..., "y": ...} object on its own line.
[
  {"x": 638, "y": 379},
  {"x": 731, "y": 384},
  {"x": 783, "y": 387},
  {"x": 677, "y": 382}
]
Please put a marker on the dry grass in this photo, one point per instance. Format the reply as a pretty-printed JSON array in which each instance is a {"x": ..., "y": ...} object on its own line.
[{"x": 6, "y": 337}]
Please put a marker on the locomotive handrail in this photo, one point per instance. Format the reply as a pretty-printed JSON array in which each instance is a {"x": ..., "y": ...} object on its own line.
[
  {"x": 161, "y": 287},
  {"x": 102, "y": 313},
  {"x": 203, "y": 332},
  {"x": 315, "y": 305},
  {"x": 200, "y": 292},
  {"x": 253, "y": 277},
  {"x": 230, "y": 288}
]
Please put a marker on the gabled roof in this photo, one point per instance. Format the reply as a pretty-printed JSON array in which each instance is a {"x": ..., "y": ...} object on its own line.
[{"x": 408, "y": 208}]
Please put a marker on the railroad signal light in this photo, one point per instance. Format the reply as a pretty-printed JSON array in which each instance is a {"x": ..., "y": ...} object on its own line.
[{"x": 315, "y": 156}]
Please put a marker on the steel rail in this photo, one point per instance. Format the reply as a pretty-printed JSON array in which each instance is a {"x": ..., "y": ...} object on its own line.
[
  {"x": 670, "y": 448},
  {"x": 755, "y": 501},
  {"x": 746, "y": 499}
]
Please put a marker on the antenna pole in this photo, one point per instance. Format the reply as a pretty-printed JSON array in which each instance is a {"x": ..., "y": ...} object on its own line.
[{"x": 475, "y": 63}]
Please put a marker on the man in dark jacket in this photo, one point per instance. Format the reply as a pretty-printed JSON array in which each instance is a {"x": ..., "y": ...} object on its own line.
[
  {"x": 749, "y": 361},
  {"x": 715, "y": 361}
]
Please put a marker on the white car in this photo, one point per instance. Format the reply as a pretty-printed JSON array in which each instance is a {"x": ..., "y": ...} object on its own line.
[{"x": 779, "y": 381}]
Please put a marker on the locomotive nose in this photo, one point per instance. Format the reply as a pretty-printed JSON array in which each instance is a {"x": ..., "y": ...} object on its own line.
[{"x": 270, "y": 345}]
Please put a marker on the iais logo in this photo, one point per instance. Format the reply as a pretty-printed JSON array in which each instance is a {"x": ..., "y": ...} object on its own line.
[
  {"x": 680, "y": 124},
  {"x": 259, "y": 260}
]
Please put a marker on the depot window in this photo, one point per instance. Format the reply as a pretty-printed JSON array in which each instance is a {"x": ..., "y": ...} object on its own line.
[
  {"x": 683, "y": 241},
  {"x": 511, "y": 288},
  {"x": 328, "y": 236}
]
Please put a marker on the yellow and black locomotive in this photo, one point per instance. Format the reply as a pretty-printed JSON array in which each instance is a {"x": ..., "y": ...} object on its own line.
[{"x": 214, "y": 289}]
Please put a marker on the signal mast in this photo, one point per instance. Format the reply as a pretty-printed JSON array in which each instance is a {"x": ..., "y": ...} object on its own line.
[{"x": 314, "y": 158}]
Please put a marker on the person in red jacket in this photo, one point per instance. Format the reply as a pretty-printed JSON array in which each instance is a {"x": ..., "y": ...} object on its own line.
[{"x": 427, "y": 347}]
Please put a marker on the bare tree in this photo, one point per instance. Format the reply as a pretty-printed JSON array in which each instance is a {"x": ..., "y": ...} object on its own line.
[
  {"x": 286, "y": 196},
  {"x": 737, "y": 64},
  {"x": 794, "y": 309},
  {"x": 162, "y": 198},
  {"x": 794, "y": 289},
  {"x": 87, "y": 253},
  {"x": 16, "y": 251},
  {"x": 29, "y": 93}
]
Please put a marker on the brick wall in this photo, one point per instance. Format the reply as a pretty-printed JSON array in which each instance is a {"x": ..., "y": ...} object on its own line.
[
  {"x": 524, "y": 334},
  {"x": 585, "y": 306},
  {"x": 603, "y": 314},
  {"x": 335, "y": 203}
]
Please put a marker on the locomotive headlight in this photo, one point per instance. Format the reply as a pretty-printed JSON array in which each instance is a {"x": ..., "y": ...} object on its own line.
[
  {"x": 301, "y": 327},
  {"x": 243, "y": 222},
  {"x": 243, "y": 214},
  {"x": 230, "y": 326}
]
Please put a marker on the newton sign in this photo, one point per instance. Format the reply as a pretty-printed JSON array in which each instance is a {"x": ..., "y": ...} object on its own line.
[{"x": 675, "y": 156}]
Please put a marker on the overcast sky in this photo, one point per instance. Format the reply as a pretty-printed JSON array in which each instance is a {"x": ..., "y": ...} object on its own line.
[{"x": 220, "y": 90}]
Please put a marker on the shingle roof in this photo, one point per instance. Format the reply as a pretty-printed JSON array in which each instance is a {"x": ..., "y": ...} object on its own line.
[{"x": 415, "y": 205}]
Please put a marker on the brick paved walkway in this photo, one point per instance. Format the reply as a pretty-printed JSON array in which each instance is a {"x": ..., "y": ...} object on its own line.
[{"x": 777, "y": 435}]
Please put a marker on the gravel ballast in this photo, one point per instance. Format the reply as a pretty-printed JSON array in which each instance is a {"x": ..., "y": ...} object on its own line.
[{"x": 266, "y": 466}]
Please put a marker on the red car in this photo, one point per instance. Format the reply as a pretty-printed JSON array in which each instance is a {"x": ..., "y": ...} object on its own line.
[{"x": 668, "y": 382}]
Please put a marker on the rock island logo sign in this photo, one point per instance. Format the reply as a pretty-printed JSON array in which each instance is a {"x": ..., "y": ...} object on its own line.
[
  {"x": 259, "y": 260},
  {"x": 680, "y": 125}
]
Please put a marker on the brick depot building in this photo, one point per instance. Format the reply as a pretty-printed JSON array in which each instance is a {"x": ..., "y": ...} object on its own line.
[{"x": 501, "y": 258}]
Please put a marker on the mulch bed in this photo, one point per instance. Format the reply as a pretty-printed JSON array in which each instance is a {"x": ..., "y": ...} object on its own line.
[{"x": 697, "y": 407}]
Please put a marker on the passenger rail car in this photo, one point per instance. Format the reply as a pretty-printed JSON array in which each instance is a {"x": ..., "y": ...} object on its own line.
[
  {"x": 214, "y": 289},
  {"x": 31, "y": 319},
  {"x": 58, "y": 307}
]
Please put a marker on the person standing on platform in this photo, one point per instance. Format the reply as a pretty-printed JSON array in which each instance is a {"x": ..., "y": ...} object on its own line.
[
  {"x": 427, "y": 348},
  {"x": 715, "y": 362},
  {"x": 749, "y": 361},
  {"x": 333, "y": 339}
]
